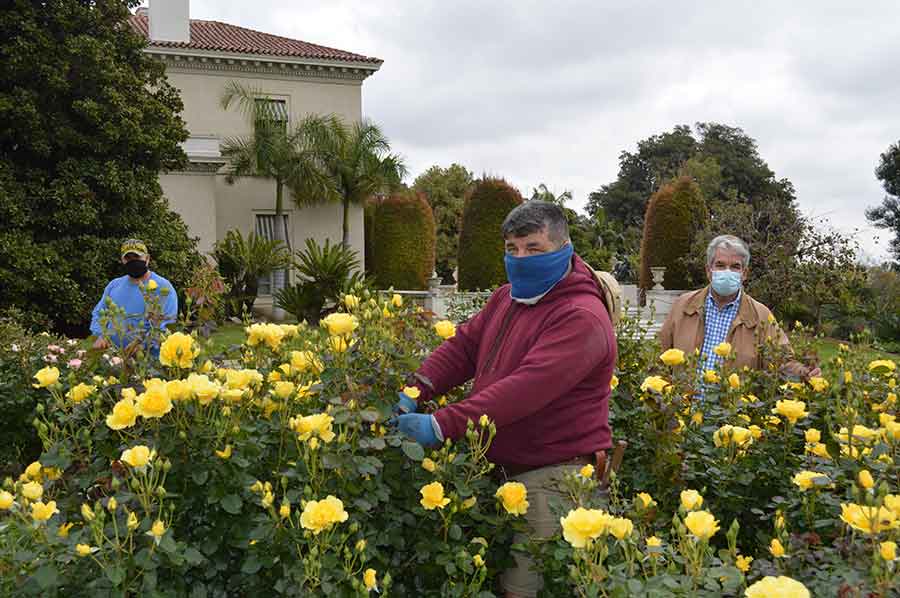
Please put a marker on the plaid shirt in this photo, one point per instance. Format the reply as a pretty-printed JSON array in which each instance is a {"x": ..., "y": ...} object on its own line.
[{"x": 717, "y": 323}]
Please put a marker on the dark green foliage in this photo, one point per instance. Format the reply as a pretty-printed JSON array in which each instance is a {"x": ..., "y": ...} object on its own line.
[
  {"x": 480, "y": 238},
  {"x": 674, "y": 215},
  {"x": 445, "y": 190},
  {"x": 326, "y": 272},
  {"x": 369, "y": 233},
  {"x": 242, "y": 262},
  {"x": 303, "y": 300},
  {"x": 87, "y": 122},
  {"x": 887, "y": 215},
  {"x": 404, "y": 241}
]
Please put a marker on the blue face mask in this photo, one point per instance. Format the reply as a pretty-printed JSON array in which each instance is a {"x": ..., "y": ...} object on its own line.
[
  {"x": 534, "y": 275},
  {"x": 725, "y": 282}
]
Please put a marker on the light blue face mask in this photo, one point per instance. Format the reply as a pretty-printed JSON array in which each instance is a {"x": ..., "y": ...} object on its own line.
[
  {"x": 534, "y": 275},
  {"x": 725, "y": 282}
]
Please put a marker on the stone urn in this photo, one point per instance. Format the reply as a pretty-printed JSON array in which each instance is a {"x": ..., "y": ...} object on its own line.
[{"x": 658, "y": 273}]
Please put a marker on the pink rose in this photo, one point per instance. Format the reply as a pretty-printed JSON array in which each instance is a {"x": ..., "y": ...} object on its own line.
[
  {"x": 74, "y": 363},
  {"x": 115, "y": 361}
]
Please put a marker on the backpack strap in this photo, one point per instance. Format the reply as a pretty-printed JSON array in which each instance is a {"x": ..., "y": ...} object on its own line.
[{"x": 611, "y": 293}]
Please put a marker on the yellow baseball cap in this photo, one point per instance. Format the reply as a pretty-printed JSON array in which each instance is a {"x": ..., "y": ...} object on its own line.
[{"x": 135, "y": 246}]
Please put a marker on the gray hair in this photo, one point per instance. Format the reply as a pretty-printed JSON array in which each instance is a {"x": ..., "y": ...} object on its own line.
[
  {"x": 727, "y": 242},
  {"x": 534, "y": 216}
]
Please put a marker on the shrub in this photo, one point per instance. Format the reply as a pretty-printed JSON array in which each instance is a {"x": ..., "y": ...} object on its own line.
[
  {"x": 480, "y": 238},
  {"x": 242, "y": 262},
  {"x": 674, "y": 214},
  {"x": 404, "y": 241},
  {"x": 369, "y": 234},
  {"x": 204, "y": 305}
]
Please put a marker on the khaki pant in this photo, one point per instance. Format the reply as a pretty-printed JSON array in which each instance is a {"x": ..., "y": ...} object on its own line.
[{"x": 543, "y": 485}]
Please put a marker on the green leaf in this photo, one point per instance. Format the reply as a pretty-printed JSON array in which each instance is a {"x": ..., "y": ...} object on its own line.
[
  {"x": 193, "y": 556},
  {"x": 232, "y": 504},
  {"x": 455, "y": 532},
  {"x": 47, "y": 577},
  {"x": 115, "y": 574},
  {"x": 413, "y": 450},
  {"x": 251, "y": 565},
  {"x": 200, "y": 476},
  {"x": 369, "y": 415}
]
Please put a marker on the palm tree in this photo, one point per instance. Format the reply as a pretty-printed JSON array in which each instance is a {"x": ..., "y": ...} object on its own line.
[
  {"x": 273, "y": 150},
  {"x": 355, "y": 162}
]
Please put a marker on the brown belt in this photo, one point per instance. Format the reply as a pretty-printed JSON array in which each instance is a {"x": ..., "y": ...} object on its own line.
[{"x": 512, "y": 470}]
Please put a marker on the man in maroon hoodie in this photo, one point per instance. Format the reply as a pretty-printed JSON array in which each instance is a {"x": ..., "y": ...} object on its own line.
[{"x": 542, "y": 353}]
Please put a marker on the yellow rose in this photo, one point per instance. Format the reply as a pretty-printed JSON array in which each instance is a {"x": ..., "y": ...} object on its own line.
[
  {"x": 723, "y": 350},
  {"x": 776, "y": 548},
  {"x": 306, "y": 360},
  {"x": 397, "y": 300},
  {"x": 613, "y": 382},
  {"x": 587, "y": 471},
  {"x": 33, "y": 471},
  {"x": 137, "y": 456},
  {"x": 43, "y": 512},
  {"x": 514, "y": 497},
  {"x": 83, "y": 549},
  {"x": 157, "y": 530},
  {"x": 672, "y": 357},
  {"x": 790, "y": 410},
  {"x": 711, "y": 377},
  {"x": 428, "y": 465},
  {"x": 860, "y": 433},
  {"x": 87, "y": 513},
  {"x": 813, "y": 435},
  {"x": 882, "y": 366},
  {"x": 584, "y": 525},
  {"x": 46, "y": 377},
  {"x": 810, "y": 479},
  {"x": 848, "y": 377},
  {"x": 433, "y": 496},
  {"x": 782, "y": 587},
  {"x": 284, "y": 511},
  {"x": 655, "y": 383},
  {"x": 478, "y": 560},
  {"x": 865, "y": 479},
  {"x": 734, "y": 381},
  {"x": 654, "y": 542},
  {"x": 112, "y": 504},
  {"x": 267, "y": 499},
  {"x": 412, "y": 392},
  {"x": 756, "y": 432},
  {"x": 369, "y": 579},
  {"x": 63, "y": 530},
  {"x": 152, "y": 285},
  {"x": 321, "y": 515},
  {"x": 314, "y": 425},
  {"x": 645, "y": 500},
  {"x": 701, "y": 524},
  {"x": 283, "y": 390},
  {"x": 868, "y": 519},
  {"x": 743, "y": 563},
  {"x": 270, "y": 335},
  {"x": 6, "y": 500},
  {"x": 203, "y": 388},
  {"x": 351, "y": 301},
  {"x": 888, "y": 551},
  {"x": 224, "y": 454},
  {"x": 691, "y": 499},
  {"x": 620, "y": 527},
  {"x": 445, "y": 329},
  {"x": 728, "y": 435},
  {"x": 80, "y": 392},
  {"x": 32, "y": 490},
  {"x": 818, "y": 383},
  {"x": 178, "y": 390},
  {"x": 340, "y": 324},
  {"x": 178, "y": 350},
  {"x": 697, "y": 418},
  {"x": 154, "y": 401},
  {"x": 338, "y": 344},
  {"x": 818, "y": 449},
  {"x": 468, "y": 503}
]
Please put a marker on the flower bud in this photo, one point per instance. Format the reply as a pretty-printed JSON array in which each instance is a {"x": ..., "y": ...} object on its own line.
[
  {"x": 135, "y": 484},
  {"x": 40, "y": 408},
  {"x": 235, "y": 429},
  {"x": 182, "y": 435},
  {"x": 354, "y": 527},
  {"x": 115, "y": 483},
  {"x": 160, "y": 492}
]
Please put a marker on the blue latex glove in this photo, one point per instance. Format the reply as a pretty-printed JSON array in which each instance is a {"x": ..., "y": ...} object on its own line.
[
  {"x": 419, "y": 426},
  {"x": 405, "y": 404}
]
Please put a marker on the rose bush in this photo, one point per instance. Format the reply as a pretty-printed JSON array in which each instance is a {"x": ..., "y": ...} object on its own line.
[{"x": 274, "y": 469}]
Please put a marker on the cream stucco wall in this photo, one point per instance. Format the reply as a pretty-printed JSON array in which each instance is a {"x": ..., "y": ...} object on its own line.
[{"x": 193, "y": 196}]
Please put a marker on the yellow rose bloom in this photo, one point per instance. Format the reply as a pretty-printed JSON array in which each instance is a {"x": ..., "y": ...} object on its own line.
[
  {"x": 882, "y": 366},
  {"x": 33, "y": 471},
  {"x": 305, "y": 360},
  {"x": 818, "y": 383},
  {"x": 781, "y": 586},
  {"x": 43, "y": 512},
  {"x": 655, "y": 383},
  {"x": 46, "y": 377},
  {"x": 369, "y": 579},
  {"x": 613, "y": 382},
  {"x": 154, "y": 401},
  {"x": 224, "y": 454},
  {"x": 6, "y": 500},
  {"x": 776, "y": 548},
  {"x": 137, "y": 456},
  {"x": 888, "y": 551},
  {"x": 587, "y": 471},
  {"x": 697, "y": 418},
  {"x": 83, "y": 549},
  {"x": 445, "y": 329},
  {"x": 818, "y": 449},
  {"x": 340, "y": 324},
  {"x": 132, "y": 523},
  {"x": 412, "y": 392},
  {"x": 112, "y": 504},
  {"x": 723, "y": 350},
  {"x": 654, "y": 542},
  {"x": 860, "y": 433},
  {"x": 813, "y": 435},
  {"x": 351, "y": 301},
  {"x": 691, "y": 499},
  {"x": 203, "y": 388},
  {"x": 433, "y": 496},
  {"x": 734, "y": 381},
  {"x": 428, "y": 465},
  {"x": 865, "y": 479},
  {"x": 314, "y": 425},
  {"x": 284, "y": 511},
  {"x": 582, "y": 525},
  {"x": 320, "y": 515},
  {"x": 397, "y": 300},
  {"x": 339, "y": 344},
  {"x": 809, "y": 479},
  {"x": 178, "y": 350},
  {"x": 711, "y": 377},
  {"x": 87, "y": 513},
  {"x": 672, "y": 357},
  {"x": 157, "y": 530},
  {"x": 283, "y": 389},
  {"x": 848, "y": 377},
  {"x": 32, "y": 490},
  {"x": 701, "y": 524},
  {"x": 645, "y": 500},
  {"x": 269, "y": 335},
  {"x": 63, "y": 530},
  {"x": 514, "y": 497},
  {"x": 178, "y": 390},
  {"x": 620, "y": 527},
  {"x": 869, "y": 520},
  {"x": 743, "y": 563},
  {"x": 478, "y": 560},
  {"x": 468, "y": 503},
  {"x": 790, "y": 410},
  {"x": 80, "y": 392},
  {"x": 728, "y": 435},
  {"x": 756, "y": 432}
]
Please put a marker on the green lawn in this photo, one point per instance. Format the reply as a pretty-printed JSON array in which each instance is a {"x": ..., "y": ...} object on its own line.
[
  {"x": 828, "y": 348},
  {"x": 225, "y": 336}
]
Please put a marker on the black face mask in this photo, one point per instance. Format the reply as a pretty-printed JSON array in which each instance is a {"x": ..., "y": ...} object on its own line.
[{"x": 136, "y": 268}]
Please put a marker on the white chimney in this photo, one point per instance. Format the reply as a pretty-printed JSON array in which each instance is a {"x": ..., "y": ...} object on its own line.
[{"x": 170, "y": 21}]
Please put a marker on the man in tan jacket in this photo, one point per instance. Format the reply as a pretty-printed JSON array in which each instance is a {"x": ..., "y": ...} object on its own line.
[{"x": 724, "y": 312}]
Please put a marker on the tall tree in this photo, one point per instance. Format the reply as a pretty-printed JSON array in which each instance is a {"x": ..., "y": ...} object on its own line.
[
  {"x": 87, "y": 122},
  {"x": 445, "y": 189},
  {"x": 287, "y": 155},
  {"x": 542, "y": 193},
  {"x": 887, "y": 215},
  {"x": 354, "y": 162}
]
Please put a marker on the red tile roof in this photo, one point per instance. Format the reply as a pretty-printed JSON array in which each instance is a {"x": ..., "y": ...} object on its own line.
[{"x": 216, "y": 36}]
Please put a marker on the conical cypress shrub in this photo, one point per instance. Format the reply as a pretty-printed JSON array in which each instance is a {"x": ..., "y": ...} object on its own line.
[
  {"x": 480, "y": 239},
  {"x": 403, "y": 241},
  {"x": 674, "y": 215}
]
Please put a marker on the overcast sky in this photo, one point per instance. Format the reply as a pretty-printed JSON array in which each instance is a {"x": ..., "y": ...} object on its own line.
[{"x": 553, "y": 91}]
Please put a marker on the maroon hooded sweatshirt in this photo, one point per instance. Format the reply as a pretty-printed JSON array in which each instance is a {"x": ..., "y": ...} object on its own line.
[{"x": 541, "y": 373}]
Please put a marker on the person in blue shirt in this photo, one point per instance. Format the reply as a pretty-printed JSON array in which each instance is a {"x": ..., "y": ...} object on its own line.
[{"x": 127, "y": 293}]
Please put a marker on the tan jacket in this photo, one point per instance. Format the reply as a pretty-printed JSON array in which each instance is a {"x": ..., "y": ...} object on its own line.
[{"x": 684, "y": 329}]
